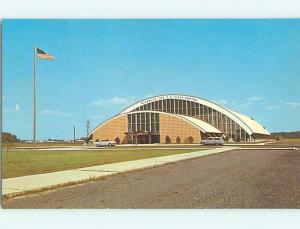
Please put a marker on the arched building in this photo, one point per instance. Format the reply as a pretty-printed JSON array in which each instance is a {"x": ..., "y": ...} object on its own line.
[{"x": 178, "y": 119}]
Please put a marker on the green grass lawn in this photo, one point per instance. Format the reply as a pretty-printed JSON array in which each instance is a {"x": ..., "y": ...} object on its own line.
[
  {"x": 27, "y": 162},
  {"x": 47, "y": 144},
  {"x": 142, "y": 146},
  {"x": 287, "y": 141}
]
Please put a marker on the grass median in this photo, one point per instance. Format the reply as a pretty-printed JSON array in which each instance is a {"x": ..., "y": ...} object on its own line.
[
  {"x": 287, "y": 141},
  {"x": 28, "y": 162}
]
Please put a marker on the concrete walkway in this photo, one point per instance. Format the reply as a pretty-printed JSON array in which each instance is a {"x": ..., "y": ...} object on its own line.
[
  {"x": 118, "y": 148},
  {"x": 11, "y": 186}
]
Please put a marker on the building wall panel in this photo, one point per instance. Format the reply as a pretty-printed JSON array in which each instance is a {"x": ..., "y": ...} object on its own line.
[
  {"x": 112, "y": 129},
  {"x": 173, "y": 127}
]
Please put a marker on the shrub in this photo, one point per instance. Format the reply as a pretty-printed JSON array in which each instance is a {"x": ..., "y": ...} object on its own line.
[
  {"x": 117, "y": 140},
  {"x": 168, "y": 139},
  {"x": 178, "y": 140},
  {"x": 190, "y": 139}
]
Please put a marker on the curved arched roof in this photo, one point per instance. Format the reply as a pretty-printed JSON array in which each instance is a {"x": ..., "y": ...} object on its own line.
[
  {"x": 248, "y": 124},
  {"x": 259, "y": 129},
  {"x": 201, "y": 125}
]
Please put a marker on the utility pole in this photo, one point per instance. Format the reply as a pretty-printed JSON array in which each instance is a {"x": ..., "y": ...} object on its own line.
[
  {"x": 87, "y": 131},
  {"x": 74, "y": 134}
]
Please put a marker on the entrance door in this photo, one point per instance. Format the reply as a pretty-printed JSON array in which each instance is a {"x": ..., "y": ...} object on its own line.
[
  {"x": 155, "y": 138},
  {"x": 143, "y": 139},
  {"x": 148, "y": 138}
]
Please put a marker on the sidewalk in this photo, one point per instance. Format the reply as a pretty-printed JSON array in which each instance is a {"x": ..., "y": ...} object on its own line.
[{"x": 47, "y": 180}]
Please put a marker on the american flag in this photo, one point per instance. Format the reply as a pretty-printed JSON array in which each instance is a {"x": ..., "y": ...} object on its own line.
[{"x": 43, "y": 55}]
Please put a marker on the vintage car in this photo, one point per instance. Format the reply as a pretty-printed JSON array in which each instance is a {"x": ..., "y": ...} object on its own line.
[
  {"x": 213, "y": 141},
  {"x": 105, "y": 142}
]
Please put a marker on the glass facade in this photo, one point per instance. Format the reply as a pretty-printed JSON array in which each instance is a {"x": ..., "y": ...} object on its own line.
[
  {"x": 184, "y": 107},
  {"x": 143, "y": 122}
]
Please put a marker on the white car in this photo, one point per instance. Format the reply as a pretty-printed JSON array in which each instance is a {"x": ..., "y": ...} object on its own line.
[
  {"x": 105, "y": 142},
  {"x": 213, "y": 141}
]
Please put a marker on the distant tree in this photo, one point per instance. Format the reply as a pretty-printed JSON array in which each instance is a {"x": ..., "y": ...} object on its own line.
[
  {"x": 293, "y": 134},
  {"x": 168, "y": 139},
  {"x": 117, "y": 140},
  {"x": 8, "y": 140},
  {"x": 178, "y": 140}
]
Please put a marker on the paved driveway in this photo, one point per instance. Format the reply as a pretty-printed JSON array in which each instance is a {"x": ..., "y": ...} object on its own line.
[{"x": 235, "y": 179}]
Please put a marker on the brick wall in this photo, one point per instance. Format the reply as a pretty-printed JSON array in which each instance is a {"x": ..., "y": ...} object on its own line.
[
  {"x": 112, "y": 129},
  {"x": 173, "y": 127}
]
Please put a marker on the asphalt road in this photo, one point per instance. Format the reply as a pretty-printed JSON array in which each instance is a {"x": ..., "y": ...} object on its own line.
[{"x": 235, "y": 179}]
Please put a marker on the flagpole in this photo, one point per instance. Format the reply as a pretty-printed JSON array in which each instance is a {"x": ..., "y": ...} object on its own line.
[{"x": 34, "y": 101}]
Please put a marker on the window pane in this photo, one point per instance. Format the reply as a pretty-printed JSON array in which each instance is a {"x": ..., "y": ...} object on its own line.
[
  {"x": 214, "y": 115},
  {"x": 188, "y": 108},
  {"x": 210, "y": 115},
  {"x": 138, "y": 117},
  {"x": 160, "y": 106},
  {"x": 201, "y": 111},
  {"x": 143, "y": 122},
  {"x": 197, "y": 110},
  {"x": 129, "y": 122},
  {"x": 238, "y": 132},
  {"x": 184, "y": 111},
  {"x": 169, "y": 110},
  {"x": 164, "y": 105},
  {"x": 180, "y": 106},
  {"x": 152, "y": 106},
  {"x": 176, "y": 106},
  {"x": 156, "y": 105},
  {"x": 157, "y": 122},
  {"x": 134, "y": 122},
  {"x": 152, "y": 122},
  {"x": 193, "y": 105}
]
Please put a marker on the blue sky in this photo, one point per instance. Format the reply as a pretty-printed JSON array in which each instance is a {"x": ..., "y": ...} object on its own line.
[{"x": 102, "y": 66}]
